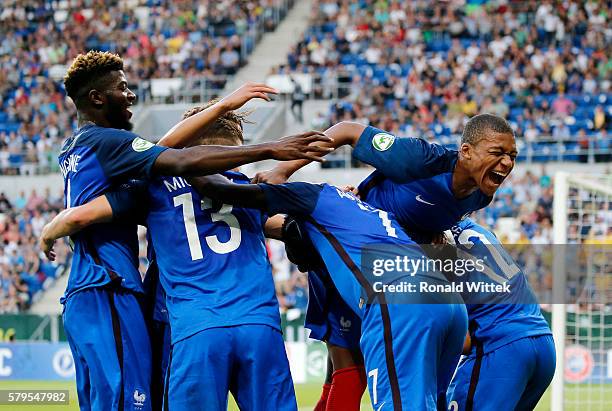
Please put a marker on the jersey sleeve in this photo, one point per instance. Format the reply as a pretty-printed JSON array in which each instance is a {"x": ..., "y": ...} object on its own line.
[
  {"x": 129, "y": 201},
  {"x": 124, "y": 154},
  {"x": 403, "y": 159},
  {"x": 291, "y": 198}
]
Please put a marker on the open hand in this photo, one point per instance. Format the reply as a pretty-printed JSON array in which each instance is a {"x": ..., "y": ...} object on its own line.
[{"x": 247, "y": 92}]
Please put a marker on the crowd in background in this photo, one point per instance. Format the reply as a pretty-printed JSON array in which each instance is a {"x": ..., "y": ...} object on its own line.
[
  {"x": 24, "y": 270},
  {"x": 421, "y": 68},
  {"x": 156, "y": 38}
]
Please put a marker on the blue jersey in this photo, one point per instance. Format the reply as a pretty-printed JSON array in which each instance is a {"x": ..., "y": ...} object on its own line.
[
  {"x": 497, "y": 318},
  {"x": 93, "y": 160},
  {"x": 340, "y": 225},
  {"x": 413, "y": 179},
  {"x": 212, "y": 258}
]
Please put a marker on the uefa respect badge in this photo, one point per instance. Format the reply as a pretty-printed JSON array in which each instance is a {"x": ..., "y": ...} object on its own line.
[
  {"x": 139, "y": 145},
  {"x": 383, "y": 141}
]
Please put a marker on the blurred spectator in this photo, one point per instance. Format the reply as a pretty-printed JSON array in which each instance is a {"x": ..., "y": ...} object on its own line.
[
  {"x": 157, "y": 39},
  {"x": 421, "y": 69},
  {"x": 24, "y": 270}
]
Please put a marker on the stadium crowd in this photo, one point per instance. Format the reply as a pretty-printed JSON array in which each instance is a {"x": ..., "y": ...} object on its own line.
[
  {"x": 156, "y": 38},
  {"x": 419, "y": 68},
  {"x": 24, "y": 269}
]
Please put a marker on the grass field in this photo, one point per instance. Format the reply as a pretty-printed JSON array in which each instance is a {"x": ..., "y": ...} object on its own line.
[{"x": 307, "y": 396}]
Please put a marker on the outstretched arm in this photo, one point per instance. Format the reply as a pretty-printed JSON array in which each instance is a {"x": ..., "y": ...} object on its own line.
[
  {"x": 343, "y": 133},
  {"x": 73, "y": 220},
  {"x": 221, "y": 189},
  {"x": 190, "y": 128},
  {"x": 203, "y": 160}
]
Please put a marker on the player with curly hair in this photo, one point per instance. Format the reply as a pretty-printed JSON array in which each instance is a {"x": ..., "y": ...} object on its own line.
[{"x": 102, "y": 314}]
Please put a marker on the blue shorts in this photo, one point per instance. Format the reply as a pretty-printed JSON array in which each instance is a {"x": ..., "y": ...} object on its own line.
[
  {"x": 328, "y": 317},
  {"x": 411, "y": 352},
  {"x": 248, "y": 360},
  {"x": 110, "y": 344},
  {"x": 511, "y": 377}
]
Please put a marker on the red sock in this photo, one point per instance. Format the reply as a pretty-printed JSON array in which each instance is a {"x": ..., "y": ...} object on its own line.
[
  {"x": 348, "y": 385},
  {"x": 323, "y": 400}
]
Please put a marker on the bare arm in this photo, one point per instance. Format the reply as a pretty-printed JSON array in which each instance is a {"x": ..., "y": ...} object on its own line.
[
  {"x": 221, "y": 189},
  {"x": 73, "y": 220},
  {"x": 203, "y": 160},
  {"x": 190, "y": 128},
  {"x": 343, "y": 133}
]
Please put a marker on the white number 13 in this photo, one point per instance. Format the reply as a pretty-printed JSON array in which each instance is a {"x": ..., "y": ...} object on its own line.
[{"x": 193, "y": 239}]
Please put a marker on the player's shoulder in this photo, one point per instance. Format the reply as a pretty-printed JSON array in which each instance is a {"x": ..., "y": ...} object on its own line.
[{"x": 92, "y": 135}]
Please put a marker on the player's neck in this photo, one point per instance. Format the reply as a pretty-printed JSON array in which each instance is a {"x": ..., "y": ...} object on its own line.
[
  {"x": 85, "y": 119},
  {"x": 462, "y": 185}
]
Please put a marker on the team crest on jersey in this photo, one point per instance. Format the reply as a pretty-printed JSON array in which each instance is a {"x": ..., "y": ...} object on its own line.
[
  {"x": 139, "y": 144},
  {"x": 139, "y": 399},
  {"x": 383, "y": 141}
]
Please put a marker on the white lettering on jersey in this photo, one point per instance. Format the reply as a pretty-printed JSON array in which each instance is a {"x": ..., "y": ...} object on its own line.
[
  {"x": 70, "y": 164},
  {"x": 176, "y": 183}
]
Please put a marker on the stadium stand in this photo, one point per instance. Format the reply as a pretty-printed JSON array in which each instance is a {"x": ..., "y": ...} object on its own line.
[
  {"x": 420, "y": 69},
  {"x": 24, "y": 270},
  {"x": 161, "y": 41}
]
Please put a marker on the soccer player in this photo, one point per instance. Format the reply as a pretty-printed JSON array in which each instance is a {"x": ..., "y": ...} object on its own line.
[
  {"x": 102, "y": 316},
  {"x": 403, "y": 371},
  {"x": 220, "y": 297},
  {"x": 512, "y": 360},
  {"x": 334, "y": 323},
  {"x": 426, "y": 186}
]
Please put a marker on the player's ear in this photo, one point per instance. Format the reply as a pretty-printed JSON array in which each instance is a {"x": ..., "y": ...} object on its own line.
[{"x": 96, "y": 98}]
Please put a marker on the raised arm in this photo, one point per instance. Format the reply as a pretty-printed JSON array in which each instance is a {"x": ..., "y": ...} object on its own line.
[
  {"x": 343, "y": 133},
  {"x": 203, "y": 160},
  {"x": 190, "y": 128},
  {"x": 73, "y": 220}
]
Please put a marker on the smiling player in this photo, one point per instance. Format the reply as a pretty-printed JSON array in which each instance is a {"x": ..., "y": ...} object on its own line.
[{"x": 102, "y": 316}]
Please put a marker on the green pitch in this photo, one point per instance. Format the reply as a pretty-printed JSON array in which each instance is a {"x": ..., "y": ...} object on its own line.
[{"x": 307, "y": 396}]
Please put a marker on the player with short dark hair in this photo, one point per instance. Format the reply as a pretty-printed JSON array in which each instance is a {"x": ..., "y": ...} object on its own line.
[
  {"x": 102, "y": 314},
  {"x": 427, "y": 187}
]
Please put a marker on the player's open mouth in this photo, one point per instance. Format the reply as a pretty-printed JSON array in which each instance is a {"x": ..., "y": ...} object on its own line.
[
  {"x": 129, "y": 112},
  {"x": 497, "y": 177}
]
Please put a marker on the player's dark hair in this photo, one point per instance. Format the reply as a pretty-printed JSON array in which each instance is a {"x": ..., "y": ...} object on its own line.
[
  {"x": 477, "y": 127},
  {"x": 226, "y": 130},
  {"x": 89, "y": 71}
]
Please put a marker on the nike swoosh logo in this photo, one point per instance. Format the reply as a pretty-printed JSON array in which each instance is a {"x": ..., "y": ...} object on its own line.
[
  {"x": 380, "y": 408},
  {"x": 420, "y": 200}
]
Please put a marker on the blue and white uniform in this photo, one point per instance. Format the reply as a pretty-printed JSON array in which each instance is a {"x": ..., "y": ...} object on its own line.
[
  {"x": 220, "y": 297},
  {"x": 407, "y": 348},
  {"x": 512, "y": 361},
  {"x": 413, "y": 180},
  {"x": 102, "y": 315}
]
